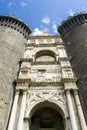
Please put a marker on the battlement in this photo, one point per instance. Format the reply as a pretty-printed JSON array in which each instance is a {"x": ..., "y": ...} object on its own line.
[
  {"x": 16, "y": 24},
  {"x": 72, "y": 22}
]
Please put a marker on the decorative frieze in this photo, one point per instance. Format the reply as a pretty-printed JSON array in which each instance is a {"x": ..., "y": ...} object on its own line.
[
  {"x": 39, "y": 77},
  {"x": 65, "y": 64},
  {"x": 67, "y": 73},
  {"x": 70, "y": 86},
  {"x": 33, "y": 97},
  {"x": 47, "y": 40},
  {"x": 59, "y": 96}
]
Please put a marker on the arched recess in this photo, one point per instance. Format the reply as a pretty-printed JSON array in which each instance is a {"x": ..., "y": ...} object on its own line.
[
  {"x": 45, "y": 55},
  {"x": 47, "y": 103},
  {"x": 47, "y": 107}
]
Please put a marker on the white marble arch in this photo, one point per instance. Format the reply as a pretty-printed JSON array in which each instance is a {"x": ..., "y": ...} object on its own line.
[
  {"x": 51, "y": 104},
  {"x": 58, "y": 106}
]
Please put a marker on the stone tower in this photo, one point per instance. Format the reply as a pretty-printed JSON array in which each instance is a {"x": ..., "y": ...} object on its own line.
[
  {"x": 74, "y": 34},
  {"x": 46, "y": 95},
  {"x": 13, "y": 34}
]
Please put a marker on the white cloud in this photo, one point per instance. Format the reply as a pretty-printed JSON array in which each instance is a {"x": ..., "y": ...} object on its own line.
[
  {"x": 37, "y": 32},
  {"x": 46, "y": 20},
  {"x": 23, "y": 4},
  {"x": 44, "y": 28},
  {"x": 71, "y": 12},
  {"x": 54, "y": 26},
  {"x": 10, "y": 4}
]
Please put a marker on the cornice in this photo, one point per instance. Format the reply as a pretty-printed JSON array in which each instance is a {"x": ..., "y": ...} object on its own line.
[
  {"x": 44, "y": 36},
  {"x": 38, "y": 62},
  {"x": 45, "y": 83},
  {"x": 72, "y": 79},
  {"x": 65, "y": 58},
  {"x": 44, "y": 63},
  {"x": 23, "y": 81},
  {"x": 44, "y": 44},
  {"x": 26, "y": 60}
]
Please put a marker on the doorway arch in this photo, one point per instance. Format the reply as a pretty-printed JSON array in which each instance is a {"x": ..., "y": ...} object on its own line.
[
  {"x": 47, "y": 107},
  {"x": 46, "y": 118}
]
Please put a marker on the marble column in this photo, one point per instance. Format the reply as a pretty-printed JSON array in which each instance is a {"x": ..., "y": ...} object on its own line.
[
  {"x": 26, "y": 124},
  {"x": 79, "y": 109},
  {"x": 71, "y": 111},
  {"x": 67, "y": 123},
  {"x": 22, "y": 110},
  {"x": 14, "y": 110}
]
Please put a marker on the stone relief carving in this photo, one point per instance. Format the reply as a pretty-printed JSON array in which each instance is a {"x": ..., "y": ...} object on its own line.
[
  {"x": 45, "y": 78},
  {"x": 53, "y": 78},
  {"x": 33, "y": 97},
  {"x": 67, "y": 73},
  {"x": 29, "y": 53}
]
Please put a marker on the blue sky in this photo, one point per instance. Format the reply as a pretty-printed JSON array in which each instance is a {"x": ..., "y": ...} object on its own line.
[{"x": 42, "y": 14}]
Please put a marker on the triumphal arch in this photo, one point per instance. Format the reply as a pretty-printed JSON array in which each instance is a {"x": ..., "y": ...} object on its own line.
[{"x": 46, "y": 95}]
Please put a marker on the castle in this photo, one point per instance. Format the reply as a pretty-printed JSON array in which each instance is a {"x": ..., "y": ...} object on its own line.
[{"x": 43, "y": 78}]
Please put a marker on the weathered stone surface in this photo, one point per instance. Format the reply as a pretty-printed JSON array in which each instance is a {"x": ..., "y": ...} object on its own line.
[
  {"x": 11, "y": 50},
  {"x": 76, "y": 46}
]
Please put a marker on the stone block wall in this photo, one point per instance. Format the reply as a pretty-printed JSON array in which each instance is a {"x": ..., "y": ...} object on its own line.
[
  {"x": 74, "y": 34},
  {"x": 11, "y": 50}
]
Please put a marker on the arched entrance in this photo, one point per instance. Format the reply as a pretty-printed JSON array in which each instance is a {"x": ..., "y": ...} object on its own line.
[{"x": 46, "y": 118}]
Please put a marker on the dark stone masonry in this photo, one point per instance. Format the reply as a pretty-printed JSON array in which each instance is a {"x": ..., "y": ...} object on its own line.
[{"x": 74, "y": 34}]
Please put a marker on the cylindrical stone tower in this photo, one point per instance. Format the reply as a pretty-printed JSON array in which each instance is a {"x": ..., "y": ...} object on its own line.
[
  {"x": 74, "y": 33},
  {"x": 13, "y": 34}
]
